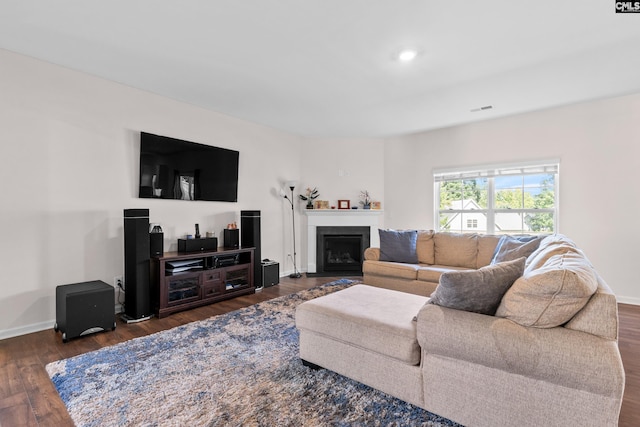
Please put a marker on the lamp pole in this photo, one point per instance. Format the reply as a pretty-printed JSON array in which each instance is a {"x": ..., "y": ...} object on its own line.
[{"x": 296, "y": 274}]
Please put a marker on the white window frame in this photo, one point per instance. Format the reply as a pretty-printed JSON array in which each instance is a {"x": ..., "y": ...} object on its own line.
[{"x": 550, "y": 166}]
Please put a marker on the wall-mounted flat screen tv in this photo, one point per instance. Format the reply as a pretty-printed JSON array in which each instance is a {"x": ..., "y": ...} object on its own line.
[{"x": 175, "y": 169}]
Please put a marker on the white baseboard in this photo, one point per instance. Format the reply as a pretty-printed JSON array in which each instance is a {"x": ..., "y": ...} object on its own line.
[
  {"x": 37, "y": 327},
  {"x": 628, "y": 300},
  {"x": 28, "y": 329}
]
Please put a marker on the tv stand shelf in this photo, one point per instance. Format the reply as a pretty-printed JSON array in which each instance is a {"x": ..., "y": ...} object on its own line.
[{"x": 181, "y": 281}]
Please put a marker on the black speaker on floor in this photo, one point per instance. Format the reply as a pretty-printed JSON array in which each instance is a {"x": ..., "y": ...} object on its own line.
[
  {"x": 250, "y": 237},
  {"x": 270, "y": 273},
  {"x": 84, "y": 308},
  {"x": 136, "y": 265}
]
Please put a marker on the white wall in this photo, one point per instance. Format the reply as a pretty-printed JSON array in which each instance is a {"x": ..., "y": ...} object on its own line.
[
  {"x": 598, "y": 143},
  {"x": 69, "y": 164},
  {"x": 340, "y": 169}
]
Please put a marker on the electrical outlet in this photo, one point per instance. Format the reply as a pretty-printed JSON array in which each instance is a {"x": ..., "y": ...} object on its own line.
[{"x": 118, "y": 282}]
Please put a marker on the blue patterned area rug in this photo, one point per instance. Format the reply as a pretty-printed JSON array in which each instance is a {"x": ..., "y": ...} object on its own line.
[{"x": 237, "y": 369}]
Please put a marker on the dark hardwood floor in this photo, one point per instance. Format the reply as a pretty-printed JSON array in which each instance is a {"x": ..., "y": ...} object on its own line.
[{"x": 28, "y": 398}]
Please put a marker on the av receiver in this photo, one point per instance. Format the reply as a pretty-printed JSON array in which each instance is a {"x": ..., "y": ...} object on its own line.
[{"x": 223, "y": 260}]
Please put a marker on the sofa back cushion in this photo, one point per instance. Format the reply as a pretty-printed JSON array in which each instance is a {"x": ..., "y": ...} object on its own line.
[
  {"x": 552, "y": 294},
  {"x": 456, "y": 249},
  {"x": 486, "y": 247},
  {"x": 424, "y": 247},
  {"x": 555, "y": 244}
]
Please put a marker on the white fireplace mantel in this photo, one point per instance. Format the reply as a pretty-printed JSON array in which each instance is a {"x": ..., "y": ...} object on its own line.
[{"x": 339, "y": 218}]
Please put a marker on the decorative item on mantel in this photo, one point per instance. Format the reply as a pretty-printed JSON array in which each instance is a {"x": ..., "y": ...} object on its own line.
[
  {"x": 321, "y": 204},
  {"x": 311, "y": 194},
  {"x": 365, "y": 199}
]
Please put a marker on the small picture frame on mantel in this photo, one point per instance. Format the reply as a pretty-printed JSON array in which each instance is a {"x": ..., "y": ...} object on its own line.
[
  {"x": 344, "y": 204},
  {"x": 321, "y": 204}
]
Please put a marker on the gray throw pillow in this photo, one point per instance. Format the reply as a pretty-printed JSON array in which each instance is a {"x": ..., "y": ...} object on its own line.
[
  {"x": 479, "y": 291},
  {"x": 511, "y": 247},
  {"x": 398, "y": 246}
]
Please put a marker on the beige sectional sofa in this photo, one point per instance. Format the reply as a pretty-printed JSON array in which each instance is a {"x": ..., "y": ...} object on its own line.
[{"x": 548, "y": 356}]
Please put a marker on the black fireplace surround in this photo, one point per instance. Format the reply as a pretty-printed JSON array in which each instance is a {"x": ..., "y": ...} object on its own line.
[{"x": 340, "y": 250}]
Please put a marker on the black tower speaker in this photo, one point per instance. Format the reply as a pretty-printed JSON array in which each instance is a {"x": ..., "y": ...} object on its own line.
[
  {"x": 250, "y": 237},
  {"x": 136, "y": 265}
]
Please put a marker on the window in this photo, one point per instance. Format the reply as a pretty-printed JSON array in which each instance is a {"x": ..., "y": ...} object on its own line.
[{"x": 498, "y": 199}]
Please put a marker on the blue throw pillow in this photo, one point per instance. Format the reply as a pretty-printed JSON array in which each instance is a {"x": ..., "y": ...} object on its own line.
[
  {"x": 514, "y": 247},
  {"x": 398, "y": 246}
]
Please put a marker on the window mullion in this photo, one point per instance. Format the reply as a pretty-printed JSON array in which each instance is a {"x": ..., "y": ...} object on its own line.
[{"x": 491, "y": 218}]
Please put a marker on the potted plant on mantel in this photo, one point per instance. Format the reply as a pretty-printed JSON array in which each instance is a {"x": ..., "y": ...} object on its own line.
[
  {"x": 365, "y": 199},
  {"x": 310, "y": 195}
]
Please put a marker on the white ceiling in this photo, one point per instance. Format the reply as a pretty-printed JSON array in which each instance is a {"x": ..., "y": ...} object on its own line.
[{"x": 326, "y": 67}]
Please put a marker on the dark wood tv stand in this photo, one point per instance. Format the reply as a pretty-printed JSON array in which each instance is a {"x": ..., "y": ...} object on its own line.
[{"x": 180, "y": 281}]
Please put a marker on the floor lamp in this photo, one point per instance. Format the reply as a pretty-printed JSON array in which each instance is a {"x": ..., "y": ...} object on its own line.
[{"x": 292, "y": 184}]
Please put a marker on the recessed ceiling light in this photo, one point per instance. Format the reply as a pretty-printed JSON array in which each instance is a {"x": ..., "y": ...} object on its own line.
[{"x": 407, "y": 55}]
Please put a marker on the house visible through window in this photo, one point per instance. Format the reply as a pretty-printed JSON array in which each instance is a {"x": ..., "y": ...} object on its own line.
[{"x": 498, "y": 199}]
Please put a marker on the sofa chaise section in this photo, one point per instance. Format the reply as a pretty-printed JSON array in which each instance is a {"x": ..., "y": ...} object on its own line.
[{"x": 367, "y": 334}]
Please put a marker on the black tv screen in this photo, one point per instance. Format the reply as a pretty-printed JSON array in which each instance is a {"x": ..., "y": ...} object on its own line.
[{"x": 175, "y": 169}]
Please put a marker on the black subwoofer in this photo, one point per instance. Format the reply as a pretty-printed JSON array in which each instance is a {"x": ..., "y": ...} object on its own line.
[
  {"x": 84, "y": 308},
  {"x": 270, "y": 273},
  {"x": 137, "y": 304},
  {"x": 250, "y": 238}
]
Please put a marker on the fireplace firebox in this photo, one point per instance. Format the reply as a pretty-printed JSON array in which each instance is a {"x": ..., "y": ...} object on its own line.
[{"x": 340, "y": 250}]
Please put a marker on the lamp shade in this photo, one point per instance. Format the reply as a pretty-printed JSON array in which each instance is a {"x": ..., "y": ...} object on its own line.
[{"x": 291, "y": 184}]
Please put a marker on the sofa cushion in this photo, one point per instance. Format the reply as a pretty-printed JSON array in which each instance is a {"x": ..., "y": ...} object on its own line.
[
  {"x": 392, "y": 269},
  {"x": 479, "y": 291},
  {"x": 424, "y": 247},
  {"x": 398, "y": 245},
  {"x": 432, "y": 273},
  {"x": 514, "y": 247},
  {"x": 552, "y": 294},
  {"x": 376, "y": 319},
  {"x": 456, "y": 249}
]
